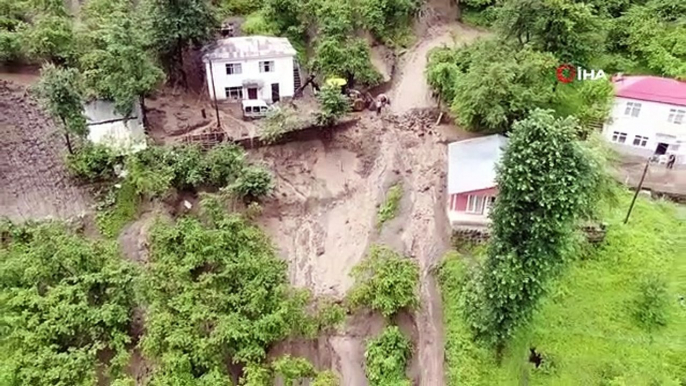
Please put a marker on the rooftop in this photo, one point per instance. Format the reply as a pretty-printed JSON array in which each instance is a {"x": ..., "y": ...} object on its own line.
[
  {"x": 652, "y": 89},
  {"x": 248, "y": 47},
  {"x": 471, "y": 163}
]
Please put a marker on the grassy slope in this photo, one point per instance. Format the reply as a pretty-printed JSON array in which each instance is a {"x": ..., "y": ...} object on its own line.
[{"x": 585, "y": 326}]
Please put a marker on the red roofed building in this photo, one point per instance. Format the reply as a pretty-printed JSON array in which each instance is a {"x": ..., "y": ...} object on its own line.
[{"x": 648, "y": 117}]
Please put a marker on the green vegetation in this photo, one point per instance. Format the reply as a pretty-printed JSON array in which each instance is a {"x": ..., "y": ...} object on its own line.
[
  {"x": 59, "y": 91},
  {"x": 332, "y": 105},
  {"x": 278, "y": 122},
  {"x": 540, "y": 199},
  {"x": 63, "y": 301},
  {"x": 386, "y": 358},
  {"x": 216, "y": 290},
  {"x": 92, "y": 163},
  {"x": 591, "y": 328},
  {"x": 116, "y": 209},
  {"x": 385, "y": 281},
  {"x": 391, "y": 205}
]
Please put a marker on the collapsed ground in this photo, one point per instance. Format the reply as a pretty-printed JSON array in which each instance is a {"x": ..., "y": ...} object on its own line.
[{"x": 323, "y": 214}]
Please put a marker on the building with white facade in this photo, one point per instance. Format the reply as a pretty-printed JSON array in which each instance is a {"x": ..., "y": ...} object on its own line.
[
  {"x": 250, "y": 67},
  {"x": 648, "y": 117}
]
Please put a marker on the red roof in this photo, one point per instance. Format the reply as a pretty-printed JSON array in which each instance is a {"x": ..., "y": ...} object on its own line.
[{"x": 651, "y": 88}]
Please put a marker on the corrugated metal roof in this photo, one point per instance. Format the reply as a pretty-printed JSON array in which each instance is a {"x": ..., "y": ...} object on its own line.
[
  {"x": 651, "y": 88},
  {"x": 471, "y": 163},
  {"x": 248, "y": 47}
]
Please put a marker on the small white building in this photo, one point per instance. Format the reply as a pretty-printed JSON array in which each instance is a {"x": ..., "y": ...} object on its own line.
[
  {"x": 106, "y": 126},
  {"x": 648, "y": 117},
  {"x": 472, "y": 188},
  {"x": 250, "y": 67}
]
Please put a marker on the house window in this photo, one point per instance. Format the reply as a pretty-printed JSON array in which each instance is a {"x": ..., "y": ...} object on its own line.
[
  {"x": 233, "y": 68},
  {"x": 674, "y": 148},
  {"x": 489, "y": 203},
  {"x": 632, "y": 108},
  {"x": 475, "y": 204},
  {"x": 267, "y": 66},
  {"x": 676, "y": 116},
  {"x": 640, "y": 141},
  {"x": 234, "y": 92},
  {"x": 618, "y": 137}
]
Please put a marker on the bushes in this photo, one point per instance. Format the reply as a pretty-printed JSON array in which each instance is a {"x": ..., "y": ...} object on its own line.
[
  {"x": 216, "y": 291},
  {"x": 390, "y": 207},
  {"x": 92, "y": 163},
  {"x": 253, "y": 183},
  {"x": 386, "y": 358},
  {"x": 63, "y": 300},
  {"x": 385, "y": 281},
  {"x": 156, "y": 169},
  {"x": 332, "y": 104},
  {"x": 651, "y": 304}
]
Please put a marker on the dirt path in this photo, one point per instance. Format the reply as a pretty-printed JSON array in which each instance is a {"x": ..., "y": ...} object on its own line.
[{"x": 410, "y": 90}]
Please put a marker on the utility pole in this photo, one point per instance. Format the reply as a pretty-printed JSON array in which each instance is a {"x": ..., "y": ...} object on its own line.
[
  {"x": 214, "y": 93},
  {"x": 638, "y": 190}
]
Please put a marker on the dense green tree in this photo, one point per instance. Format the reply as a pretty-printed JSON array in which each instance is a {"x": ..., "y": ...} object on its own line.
[
  {"x": 51, "y": 38},
  {"x": 174, "y": 25},
  {"x": 13, "y": 18},
  {"x": 656, "y": 35},
  {"x": 64, "y": 301},
  {"x": 385, "y": 281},
  {"x": 383, "y": 17},
  {"x": 349, "y": 58},
  {"x": 566, "y": 28},
  {"x": 386, "y": 358},
  {"x": 60, "y": 93},
  {"x": 546, "y": 180},
  {"x": 491, "y": 84},
  {"x": 116, "y": 65},
  {"x": 253, "y": 183},
  {"x": 216, "y": 291}
]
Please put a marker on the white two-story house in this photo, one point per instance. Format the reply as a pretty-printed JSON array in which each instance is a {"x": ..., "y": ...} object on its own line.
[
  {"x": 250, "y": 67},
  {"x": 648, "y": 117}
]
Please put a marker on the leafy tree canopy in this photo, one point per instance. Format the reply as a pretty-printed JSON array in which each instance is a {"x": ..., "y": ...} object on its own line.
[
  {"x": 546, "y": 180},
  {"x": 217, "y": 291},
  {"x": 566, "y": 28},
  {"x": 64, "y": 301},
  {"x": 491, "y": 83},
  {"x": 386, "y": 358},
  {"x": 116, "y": 65},
  {"x": 60, "y": 92},
  {"x": 172, "y": 26},
  {"x": 385, "y": 281}
]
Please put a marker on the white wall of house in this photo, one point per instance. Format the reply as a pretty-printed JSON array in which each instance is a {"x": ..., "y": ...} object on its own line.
[
  {"x": 251, "y": 70},
  {"x": 638, "y": 127}
]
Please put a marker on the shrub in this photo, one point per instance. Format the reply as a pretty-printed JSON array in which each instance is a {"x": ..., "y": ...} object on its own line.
[
  {"x": 257, "y": 24},
  {"x": 278, "y": 122},
  {"x": 92, "y": 163},
  {"x": 224, "y": 163},
  {"x": 149, "y": 175},
  {"x": 254, "y": 183},
  {"x": 390, "y": 207},
  {"x": 650, "y": 307},
  {"x": 386, "y": 358},
  {"x": 63, "y": 301},
  {"x": 215, "y": 291},
  {"x": 189, "y": 166},
  {"x": 385, "y": 281},
  {"x": 332, "y": 105}
]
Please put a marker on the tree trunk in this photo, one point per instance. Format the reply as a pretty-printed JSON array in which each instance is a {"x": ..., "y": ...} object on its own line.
[
  {"x": 66, "y": 136},
  {"x": 144, "y": 113}
]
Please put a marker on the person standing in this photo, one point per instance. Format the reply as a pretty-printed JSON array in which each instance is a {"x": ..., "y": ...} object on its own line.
[{"x": 670, "y": 161}]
